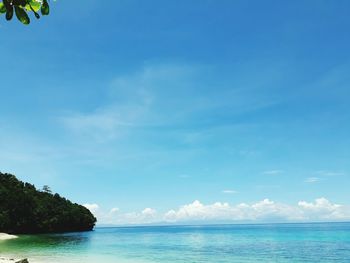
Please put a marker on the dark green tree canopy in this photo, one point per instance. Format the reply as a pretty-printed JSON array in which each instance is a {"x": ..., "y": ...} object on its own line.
[
  {"x": 21, "y": 8},
  {"x": 26, "y": 210}
]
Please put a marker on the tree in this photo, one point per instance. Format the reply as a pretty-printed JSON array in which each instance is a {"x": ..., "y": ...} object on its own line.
[
  {"x": 21, "y": 8},
  {"x": 26, "y": 210},
  {"x": 47, "y": 189}
]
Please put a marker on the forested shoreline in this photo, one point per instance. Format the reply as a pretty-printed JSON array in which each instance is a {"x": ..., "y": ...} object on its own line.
[{"x": 27, "y": 210}]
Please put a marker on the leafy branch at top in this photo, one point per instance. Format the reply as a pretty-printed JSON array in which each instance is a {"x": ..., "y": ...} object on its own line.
[{"x": 21, "y": 8}]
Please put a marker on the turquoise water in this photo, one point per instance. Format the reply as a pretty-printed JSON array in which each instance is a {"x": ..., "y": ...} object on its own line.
[{"x": 197, "y": 244}]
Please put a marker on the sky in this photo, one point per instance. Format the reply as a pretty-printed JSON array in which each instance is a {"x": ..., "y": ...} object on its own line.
[{"x": 182, "y": 111}]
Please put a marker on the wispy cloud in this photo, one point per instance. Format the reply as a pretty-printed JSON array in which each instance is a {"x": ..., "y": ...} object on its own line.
[
  {"x": 147, "y": 97},
  {"x": 323, "y": 175},
  {"x": 330, "y": 173},
  {"x": 311, "y": 180},
  {"x": 102, "y": 124},
  {"x": 136, "y": 101},
  {"x": 114, "y": 210},
  {"x": 273, "y": 172}
]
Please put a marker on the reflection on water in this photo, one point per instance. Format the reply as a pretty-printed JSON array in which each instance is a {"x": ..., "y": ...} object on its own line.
[
  {"x": 41, "y": 248},
  {"x": 238, "y": 243},
  {"x": 45, "y": 242}
]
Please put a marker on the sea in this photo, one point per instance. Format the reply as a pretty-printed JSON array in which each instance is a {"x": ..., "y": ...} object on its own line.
[{"x": 284, "y": 243}]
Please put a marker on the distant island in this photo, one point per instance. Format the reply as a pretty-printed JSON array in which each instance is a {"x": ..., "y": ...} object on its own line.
[{"x": 26, "y": 210}]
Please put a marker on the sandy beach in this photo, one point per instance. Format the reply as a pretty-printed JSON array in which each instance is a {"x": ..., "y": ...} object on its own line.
[{"x": 4, "y": 236}]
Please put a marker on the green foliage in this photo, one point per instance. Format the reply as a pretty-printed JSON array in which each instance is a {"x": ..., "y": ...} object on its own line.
[
  {"x": 22, "y": 7},
  {"x": 45, "y": 8},
  {"x": 47, "y": 189},
  {"x": 25, "y": 210},
  {"x": 22, "y": 15}
]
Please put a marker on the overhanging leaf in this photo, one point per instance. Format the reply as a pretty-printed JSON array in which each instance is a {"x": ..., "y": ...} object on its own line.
[
  {"x": 2, "y": 8},
  {"x": 45, "y": 8},
  {"x": 9, "y": 13},
  {"x": 22, "y": 15}
]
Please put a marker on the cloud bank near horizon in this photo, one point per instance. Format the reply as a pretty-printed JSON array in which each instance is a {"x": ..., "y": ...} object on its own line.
[{"x": 266, "y": 210}]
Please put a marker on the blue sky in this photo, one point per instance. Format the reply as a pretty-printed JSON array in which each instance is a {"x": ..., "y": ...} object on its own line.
[{"x": 135, "y": 105}]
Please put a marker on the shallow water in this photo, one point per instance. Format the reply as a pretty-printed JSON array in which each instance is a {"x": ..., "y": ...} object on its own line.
[{"x": 202, "y": 244}]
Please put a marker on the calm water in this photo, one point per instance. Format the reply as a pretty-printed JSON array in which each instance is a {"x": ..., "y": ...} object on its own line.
[{"x": 225, "y": 243}]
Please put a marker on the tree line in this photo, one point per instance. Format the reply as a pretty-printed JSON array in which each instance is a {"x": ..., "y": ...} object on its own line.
[{"x": 26, "y": 210}]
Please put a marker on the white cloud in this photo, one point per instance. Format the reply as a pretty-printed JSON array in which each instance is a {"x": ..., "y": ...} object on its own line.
[
  {"x": 263, "y": 211},
  {"x": 114, "y": 210},
  {"x": 312, "y": 180},
  {"x": 322, "y": 209},
  {"x": 148, "y": 212},
  {"x": 92, "y": 207},
  {"x": 198, "y": 211},
  {"x": 116, "y": 216},
  {"x": 146, "y": 216}
]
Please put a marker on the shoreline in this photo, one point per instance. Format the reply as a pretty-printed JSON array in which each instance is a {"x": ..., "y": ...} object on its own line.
[{"x": 4, "y": 236}]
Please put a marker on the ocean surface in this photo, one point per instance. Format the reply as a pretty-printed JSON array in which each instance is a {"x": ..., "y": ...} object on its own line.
[{"x": 324, "y": 242}]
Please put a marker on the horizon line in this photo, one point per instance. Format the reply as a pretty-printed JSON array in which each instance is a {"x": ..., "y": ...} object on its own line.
[{"x": 220, "y": 224}]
